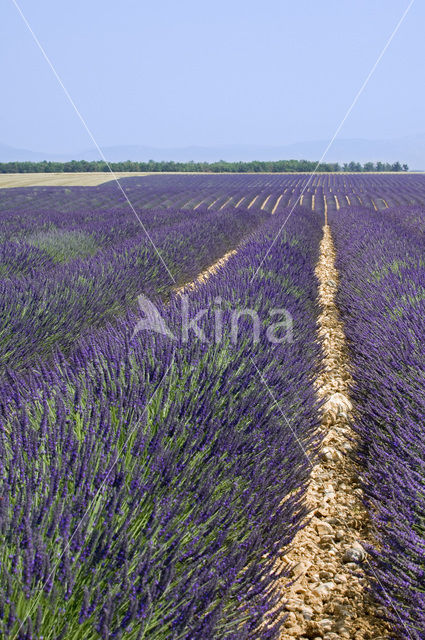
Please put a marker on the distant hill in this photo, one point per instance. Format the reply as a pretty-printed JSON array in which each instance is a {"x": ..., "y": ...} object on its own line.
[
  {"x": 410, "y": 150},
  {"x": 11, "y": 154}
]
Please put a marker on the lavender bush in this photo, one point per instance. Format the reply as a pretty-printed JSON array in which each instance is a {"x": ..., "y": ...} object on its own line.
[
  {"x": 147, "y": 484},
  {"x": 50, "y": 298},
  {"x": 382, "y": 267}
]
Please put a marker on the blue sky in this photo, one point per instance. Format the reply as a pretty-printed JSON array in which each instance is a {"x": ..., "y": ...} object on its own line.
[{"x": 184, "y": 73}]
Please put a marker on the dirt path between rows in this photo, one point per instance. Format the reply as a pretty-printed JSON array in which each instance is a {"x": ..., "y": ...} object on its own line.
[
  {"x": 204, "y": 275},
  {"x": 329, "y": 598}
]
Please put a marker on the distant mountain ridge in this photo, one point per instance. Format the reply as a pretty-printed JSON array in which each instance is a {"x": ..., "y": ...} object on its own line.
[{"x": 410, "y": 150}]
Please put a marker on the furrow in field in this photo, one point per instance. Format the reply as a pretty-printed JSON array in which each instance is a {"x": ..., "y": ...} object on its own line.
[
  {"x": 239, "y": 202},
  {"x": 226, "y": 203},
  {"x": 207, "y": 273},
  {"x": 329, "y": 597},
  {"x": 277, "y": 204},
  {"x": 199, "y": 204},
  {"x": 252, "y": 202},
  {"x": 213, "y": 202},
  {"x": 263, "y": 206}
]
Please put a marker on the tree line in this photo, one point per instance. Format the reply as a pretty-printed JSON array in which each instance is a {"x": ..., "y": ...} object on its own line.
[{"x": 255, "y": 166}]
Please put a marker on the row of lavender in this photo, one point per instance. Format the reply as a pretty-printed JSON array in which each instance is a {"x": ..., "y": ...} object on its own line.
[
  {"x": 382, "y": 298},
  {"x": 147, "y": 483},
  {"x": 190, "y": 191},
  {"x": 63, "y": 275}
]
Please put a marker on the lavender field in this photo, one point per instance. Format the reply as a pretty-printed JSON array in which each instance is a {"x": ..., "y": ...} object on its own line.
[
  {"x": 383, "y": 301},
  {"x": 150, "y": 479}
]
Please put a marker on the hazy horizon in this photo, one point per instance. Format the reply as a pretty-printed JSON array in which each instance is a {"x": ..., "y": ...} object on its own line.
[{"x": 409, "y": 150}]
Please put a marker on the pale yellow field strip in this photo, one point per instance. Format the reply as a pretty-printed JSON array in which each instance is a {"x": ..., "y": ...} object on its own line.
[
  {"x": 83, "y": 179},
  {"x": 252, "y": 202},
  {"x": 241, "y": 200},
  {"x": 302, "y": 198},
  {"x": 336, "y": 202},
  {"x": 374, "y": 205},
  {"x": 277, "y": 203},
  {"x": 313, "y": 197},
  {"x": 326, "y": 210},
  {"x": 348, "y": 200},
  {"x": 385, "y": 203},
  {"x": 226, "y": 203},
  {"x": 263, "y": 206}
]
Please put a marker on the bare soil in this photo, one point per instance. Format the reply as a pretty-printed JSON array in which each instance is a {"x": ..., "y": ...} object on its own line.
[
  {"x": 329, "y": 597},
  {"x": 204, "y": 275}
]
